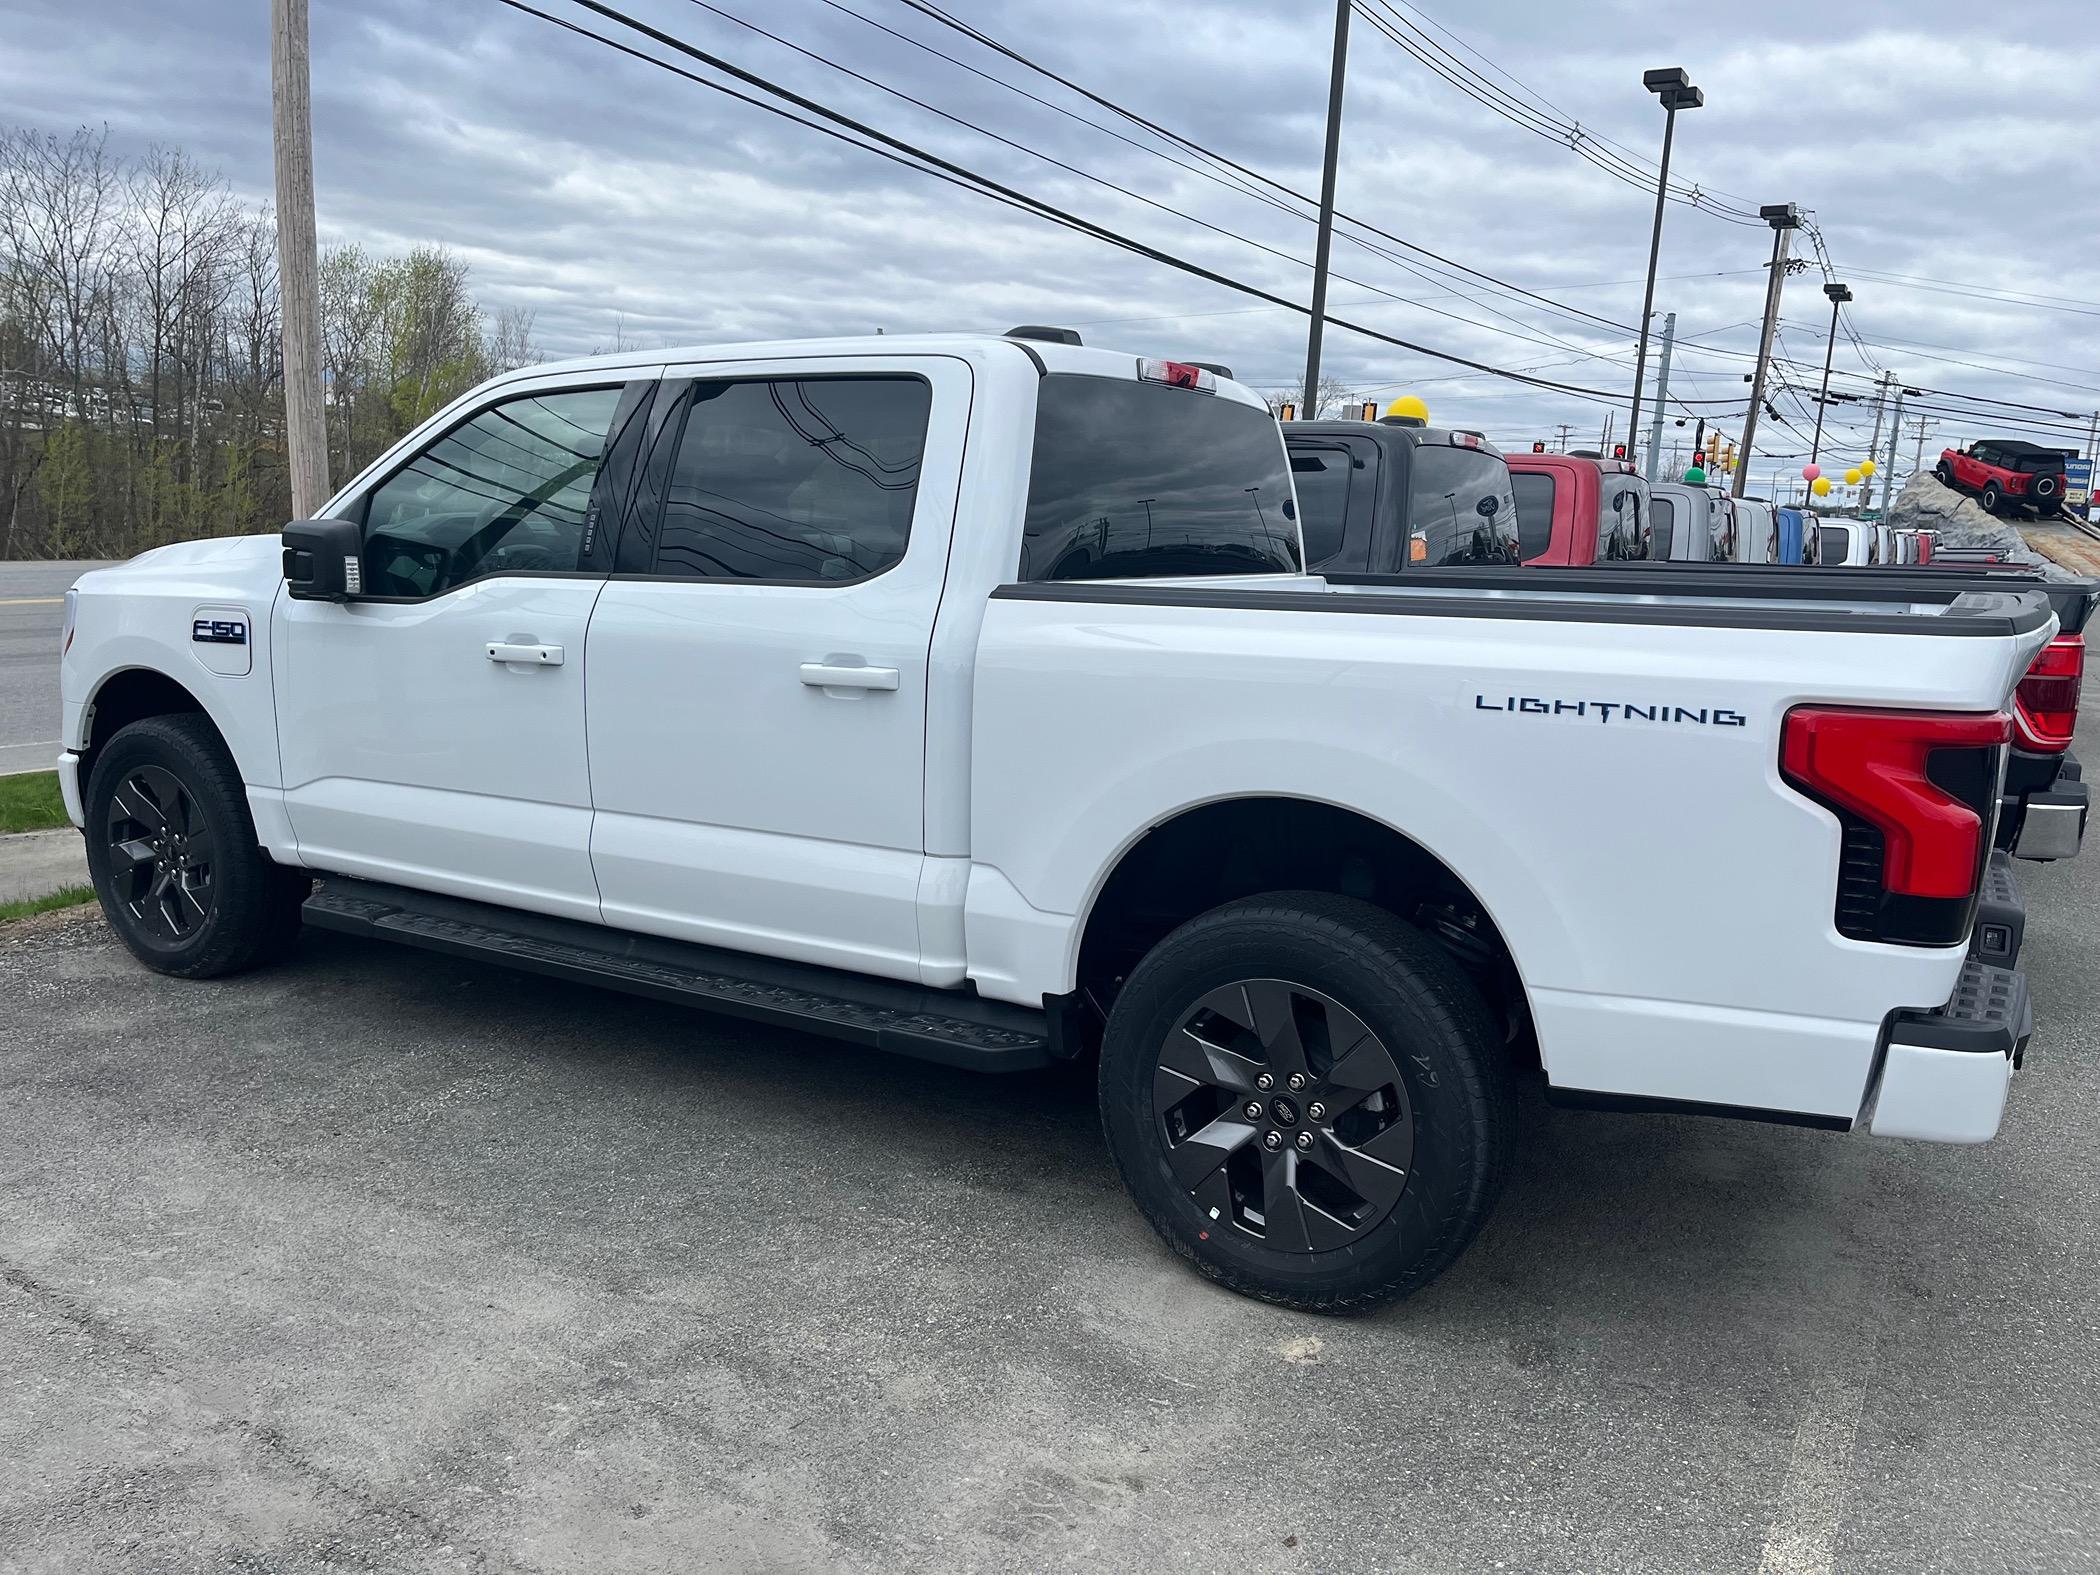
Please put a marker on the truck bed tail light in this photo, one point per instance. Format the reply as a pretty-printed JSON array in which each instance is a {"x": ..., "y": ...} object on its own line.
[
  {"x": 1178, "y": 374},
  {"x": 2045, "y": 706},
  {"x": 1916, "y": 794}
]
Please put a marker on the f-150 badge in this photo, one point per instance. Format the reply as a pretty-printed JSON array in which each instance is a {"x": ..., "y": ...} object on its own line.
[{"x": 219, "y": 631}]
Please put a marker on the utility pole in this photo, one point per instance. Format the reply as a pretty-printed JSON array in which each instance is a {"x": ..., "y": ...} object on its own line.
[
  {"x": 1565, "y": 431},
  {"x": 1662, "y": 395},
  {"x": 1839, "y": 295},
  {"x": 1784, "y": 218},
  {"x": 1917, "y": 459},
  {"x": 1326, "y": 240},
  {"x": 1604, "y": 437},
  {"x": 1874, "y": 444},
  {"x": 1888, "y": 471},
  {"x": 298, "y": 266}
]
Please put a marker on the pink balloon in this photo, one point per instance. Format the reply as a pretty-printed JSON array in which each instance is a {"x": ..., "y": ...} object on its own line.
[{"x": 1810, "y": 472}]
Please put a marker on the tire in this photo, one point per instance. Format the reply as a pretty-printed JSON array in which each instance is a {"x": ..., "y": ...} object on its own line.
[
  {"x": 1945, "y": 472},
  {"x": 1359, "y": 1204},
  {"x": 1993, "y": 499},
  {"x": 172, "y": 851}
]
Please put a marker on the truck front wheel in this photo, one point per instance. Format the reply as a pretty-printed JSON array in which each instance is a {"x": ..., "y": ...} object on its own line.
[
  {"x": 172, "y": 850},
  {"x": 1308, "y": 1100}
]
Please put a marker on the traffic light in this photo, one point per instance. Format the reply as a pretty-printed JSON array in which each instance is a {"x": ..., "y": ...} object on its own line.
[
  {"x": 1618, "y": 451},
  {"x": 1370, "y": 410},
  {"x": 1289, "y": 412},
  {"x": 1538, "y": 448}
]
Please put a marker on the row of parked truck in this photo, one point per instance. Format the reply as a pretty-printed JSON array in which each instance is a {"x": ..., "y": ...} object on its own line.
[{"x": 1006, "y": 701}]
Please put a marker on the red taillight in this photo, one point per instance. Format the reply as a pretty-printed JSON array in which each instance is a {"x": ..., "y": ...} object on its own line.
[
  {"x": 1879, "y": 766},
  {"x": 2045, "y": 706}
]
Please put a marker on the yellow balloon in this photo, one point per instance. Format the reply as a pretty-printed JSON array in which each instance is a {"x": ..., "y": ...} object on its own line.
[
  {"x": 1867, "y": 467},
  {"x": 1410, "y": 406},
  {"x": 1821, "y": 486},
  {"x": 1854, "y": 476}
]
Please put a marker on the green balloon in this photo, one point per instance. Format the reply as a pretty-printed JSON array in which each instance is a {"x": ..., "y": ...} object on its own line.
[{"x": 1695, "y": 477}]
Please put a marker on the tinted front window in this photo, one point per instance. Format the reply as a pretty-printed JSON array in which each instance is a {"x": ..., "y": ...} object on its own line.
[
  {"x": 1138, "y": 479},
  {"x": 503, "y": 493},
  {"x": 1662, "y": 520},
  {"x": 1460, "y": 508},
  {"x": 1534, "y": 491},
  {"x": 1322, "y": 477},
  {"x": 799, "y": 479}
]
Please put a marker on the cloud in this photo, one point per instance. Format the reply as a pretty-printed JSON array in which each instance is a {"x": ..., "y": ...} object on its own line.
[{"x": 603, "y": 192}]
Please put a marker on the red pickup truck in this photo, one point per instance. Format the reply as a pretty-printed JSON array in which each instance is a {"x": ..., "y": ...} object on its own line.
[
  {"x": 1573, "y": 510},
  {"x": 2005, "y": 475}
]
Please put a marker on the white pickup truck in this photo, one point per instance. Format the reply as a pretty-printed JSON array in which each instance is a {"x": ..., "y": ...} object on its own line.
[{"x": 963, "y": 696}]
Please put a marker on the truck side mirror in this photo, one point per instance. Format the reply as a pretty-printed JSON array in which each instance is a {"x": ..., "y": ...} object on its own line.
[{"x": 323, "y": 560}]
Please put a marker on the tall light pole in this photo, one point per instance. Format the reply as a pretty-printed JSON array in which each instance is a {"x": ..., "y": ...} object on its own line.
[
  {"x": 298, "y": 282},
  {"x": 1784, "y": 218},
  {"x": 1839, "y": 295},
  {"x": 1673, "y": 85},
  {"x": 1326, "y": 239}
]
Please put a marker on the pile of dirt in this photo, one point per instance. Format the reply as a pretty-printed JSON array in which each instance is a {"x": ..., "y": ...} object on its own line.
[{"x": 1924, "y": 504}]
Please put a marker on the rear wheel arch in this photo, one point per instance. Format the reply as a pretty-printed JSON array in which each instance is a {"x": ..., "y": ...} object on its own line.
[{"x": 1211, "y": 854}]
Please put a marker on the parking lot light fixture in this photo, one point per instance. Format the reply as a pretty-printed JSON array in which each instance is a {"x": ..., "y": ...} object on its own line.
[
  {"x": 1673, "y": 85},
  {"x": 1839, "y": 295}
]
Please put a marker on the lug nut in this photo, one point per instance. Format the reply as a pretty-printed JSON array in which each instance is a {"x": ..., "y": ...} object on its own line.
[
  {"x": 1265, "y": 1081},
  {"x": 1272, "y": 1140},
  {"x": 1305, "y": 1140},
  {"x": 1316, "y": 1110},
  {"x": 1253, "y": 1110},
  {"x": 1297, "y": 1081}
]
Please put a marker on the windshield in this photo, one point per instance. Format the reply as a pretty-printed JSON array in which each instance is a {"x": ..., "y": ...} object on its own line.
[
  {"x": 1132, "y": 480},
  {"x": 1460, "y": 507}
]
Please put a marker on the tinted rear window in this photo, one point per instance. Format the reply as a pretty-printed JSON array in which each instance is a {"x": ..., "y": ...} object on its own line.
[
  {"x": 1835, "y": 542},
  {"x": 1322, "y": 476},
  {"x": 1662, "y": 517},
  {"x": 1534, "y": 490},
  {"x": 1622, "y": 519},
  {"x": 2038, "y": 464},
  {"x": 1137, "y": 479},
  {"x": 1460, "y": 507}
]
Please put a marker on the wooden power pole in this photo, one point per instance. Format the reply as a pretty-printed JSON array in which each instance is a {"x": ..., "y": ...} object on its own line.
[{"x": 298, "y": 265}]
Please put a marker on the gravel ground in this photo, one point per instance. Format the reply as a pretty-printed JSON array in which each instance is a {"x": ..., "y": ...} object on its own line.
[{"x": 383, "y": 1261}]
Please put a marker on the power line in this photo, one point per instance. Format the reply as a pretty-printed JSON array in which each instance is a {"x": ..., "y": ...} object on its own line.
[{"x": 900, "y": 151}]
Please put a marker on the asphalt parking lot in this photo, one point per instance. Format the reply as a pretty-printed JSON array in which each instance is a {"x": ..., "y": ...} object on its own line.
[{"x": 385, "y": 1261}]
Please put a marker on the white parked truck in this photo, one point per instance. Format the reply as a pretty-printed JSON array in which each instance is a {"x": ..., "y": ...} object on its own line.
[{"x": 964, "y": 696}]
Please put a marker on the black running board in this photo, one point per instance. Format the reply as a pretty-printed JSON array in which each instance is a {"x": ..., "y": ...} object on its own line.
[{"x": 947, "y": 1026}]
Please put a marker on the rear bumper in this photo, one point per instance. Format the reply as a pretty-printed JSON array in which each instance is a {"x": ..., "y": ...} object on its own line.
[
  {"x": 2046, "y": 805},
  {"x": 1945, "y": 1071}
]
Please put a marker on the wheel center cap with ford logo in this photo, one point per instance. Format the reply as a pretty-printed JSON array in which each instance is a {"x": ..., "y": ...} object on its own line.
[{"x": 1284, "y": 1110}]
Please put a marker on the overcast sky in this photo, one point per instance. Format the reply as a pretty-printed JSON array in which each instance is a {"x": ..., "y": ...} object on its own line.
[{"x": 1948, "y": 142}]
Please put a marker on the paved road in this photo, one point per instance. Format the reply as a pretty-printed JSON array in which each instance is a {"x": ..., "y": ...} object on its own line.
[
  {"x": 31, "y": 607},
  {"x": 382, "y": 1260}
]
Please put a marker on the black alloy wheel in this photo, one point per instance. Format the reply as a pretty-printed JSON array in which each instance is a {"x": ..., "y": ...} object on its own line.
[
  {"x": 1283, "y": 1115},
  {"x": 171, "y": 846},
  {"x": 161, "y": 856},
  {"x": 1308, "y": 1099}
]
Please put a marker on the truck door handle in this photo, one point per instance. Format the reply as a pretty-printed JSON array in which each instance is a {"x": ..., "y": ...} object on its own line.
[
  {"x": 529, "y": 655},
  {"x": 822, "y": 675}
]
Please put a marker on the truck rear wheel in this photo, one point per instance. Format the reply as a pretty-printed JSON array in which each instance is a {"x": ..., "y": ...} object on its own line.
[
  {"x": 172, "y": 851},
  {"x": 1308, "y": 1100}
]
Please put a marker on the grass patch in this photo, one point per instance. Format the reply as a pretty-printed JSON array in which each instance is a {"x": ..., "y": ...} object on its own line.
[
  {"x": 31, "y": 802},
  {"x": 66, "y": 897}
]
